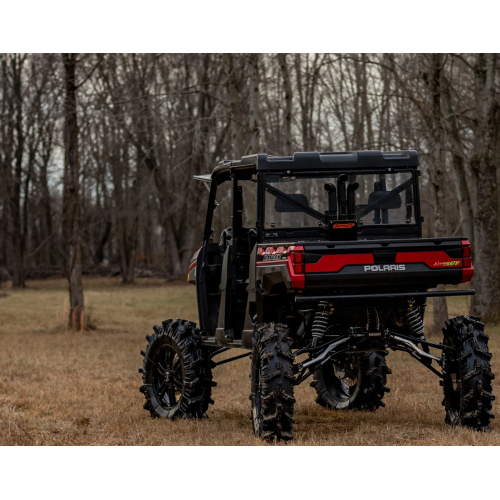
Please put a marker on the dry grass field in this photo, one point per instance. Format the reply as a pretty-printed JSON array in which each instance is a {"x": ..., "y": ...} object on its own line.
[{"x": 60, "y": 388}]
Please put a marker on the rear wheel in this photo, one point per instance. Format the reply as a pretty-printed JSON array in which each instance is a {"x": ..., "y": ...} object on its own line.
[
  {"x": 177, "y": 379},
  {"x": 355, "y": 383},
  {"x": 467, "y": 375},
  {"x": 272, "y": 382}
]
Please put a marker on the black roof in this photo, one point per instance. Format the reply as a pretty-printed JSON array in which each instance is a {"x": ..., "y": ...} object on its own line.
[{"x": 315, "y": 161}]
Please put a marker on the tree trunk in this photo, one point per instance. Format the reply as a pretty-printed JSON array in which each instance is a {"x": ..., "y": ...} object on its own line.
[
  {"x": 71, "y": 223},
  {"x": 254, "y": 118},
  {"x": 303, "y": 101},
  {"x": 46, "y": 217},
  {"x": 127, "y": 253},
  {"x": 365, "y": 106},
  {"x": 16, "y": 229},
  {"x": 287, "y": 87},
  {"x": 171, "y": 243},
  {"x": 358, "y": 135},
  {"x": 458, "y": 159},
  {"x": 436, "y": 171},
  {"x": 484, "y": 164},
  {"x": 99, "y": 253},
  {"x": 236, "y": 113}
]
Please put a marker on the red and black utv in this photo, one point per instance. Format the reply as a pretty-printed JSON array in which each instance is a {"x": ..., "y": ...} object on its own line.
[{"x": 323, "y": 257}]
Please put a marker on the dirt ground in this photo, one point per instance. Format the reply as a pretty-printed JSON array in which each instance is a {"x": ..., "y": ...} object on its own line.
[{"x": 61, "y": 388}]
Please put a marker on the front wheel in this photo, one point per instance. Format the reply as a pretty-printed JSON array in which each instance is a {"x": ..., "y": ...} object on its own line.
[
  {"x": 177, "y": 379},
  {"x": 467, "y": 375},
  {"x": 272, "y": 382}
]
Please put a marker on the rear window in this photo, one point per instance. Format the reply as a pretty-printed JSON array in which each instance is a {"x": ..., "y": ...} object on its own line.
[{"x": 303, "y": 201}]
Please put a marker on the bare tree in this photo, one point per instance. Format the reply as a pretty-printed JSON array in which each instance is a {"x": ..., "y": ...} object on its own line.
[
  {"x": 254, "y": 111},
  {"x": 459, "y": 156},
  {"x": 71, "y": 217},
  {"x": 484, "y": 163},
  {"x": 436, "y": 172},
  {"x": 235, "y": 106},
  {"x": 287, "y": 88}
]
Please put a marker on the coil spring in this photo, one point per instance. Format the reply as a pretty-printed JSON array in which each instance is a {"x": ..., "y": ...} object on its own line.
[
  {"x": 320, "y": 323},
  {"x": 414, "y": 321}
]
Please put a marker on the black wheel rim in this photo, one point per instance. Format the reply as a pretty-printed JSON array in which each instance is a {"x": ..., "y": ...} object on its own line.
[
  {"x": 341, "y": 389},
  {"x": 168, "y": 377}
]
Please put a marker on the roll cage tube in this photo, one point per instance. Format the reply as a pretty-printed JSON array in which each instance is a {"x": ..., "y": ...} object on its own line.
[{"x": 212, "y": 203}]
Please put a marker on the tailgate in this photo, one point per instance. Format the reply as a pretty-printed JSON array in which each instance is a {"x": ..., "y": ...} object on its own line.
[{"x": 423, "y": 262}]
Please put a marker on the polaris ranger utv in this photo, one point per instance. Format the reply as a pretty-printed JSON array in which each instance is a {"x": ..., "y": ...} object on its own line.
[{"x": 329, "y": 272}]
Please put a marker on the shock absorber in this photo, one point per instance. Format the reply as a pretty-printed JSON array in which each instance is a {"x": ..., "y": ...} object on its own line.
[
  {"x": 320, "y": 323},
  {"x": 414, "y": 321}
]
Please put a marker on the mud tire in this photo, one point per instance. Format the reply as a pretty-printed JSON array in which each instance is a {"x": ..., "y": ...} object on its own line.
[
  {"x": 272, "y": 383},
  {"x": 467, "y": 375},
  {"x": 188, "y": 395},
  {"x": 365, "y": 395}
]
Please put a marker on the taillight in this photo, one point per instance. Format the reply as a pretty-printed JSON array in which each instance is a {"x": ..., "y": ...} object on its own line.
[
  {"x": 467, "y": 270},
  {"x": 467, "y": 255},
  {"x": 296, "y": 266},
  {"x": 298, "y": 262}
]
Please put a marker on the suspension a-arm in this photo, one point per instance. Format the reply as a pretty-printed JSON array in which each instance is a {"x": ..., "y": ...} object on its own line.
[
  {"x": 349, "y": 343},
  {"x": 330, "y": 351},
  {"x": 399, "y": 342}
]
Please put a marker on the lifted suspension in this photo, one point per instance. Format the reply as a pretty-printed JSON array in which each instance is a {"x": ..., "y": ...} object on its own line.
[{"x": 350, "y": 342}]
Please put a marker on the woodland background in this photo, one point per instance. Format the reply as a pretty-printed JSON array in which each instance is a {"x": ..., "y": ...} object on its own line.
[{"x": 98, "y": 151}]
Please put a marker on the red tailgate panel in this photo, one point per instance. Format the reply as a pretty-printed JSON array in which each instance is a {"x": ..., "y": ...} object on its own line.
[
  {"x": 334, "y": 263},
  {"x": 435, "y": 260}
]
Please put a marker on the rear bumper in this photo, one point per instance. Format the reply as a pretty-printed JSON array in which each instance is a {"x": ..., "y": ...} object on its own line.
[{"x": 388, "y": 295}]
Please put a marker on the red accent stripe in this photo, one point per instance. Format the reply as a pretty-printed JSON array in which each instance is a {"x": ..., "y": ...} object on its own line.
[
  {"x": 435, "y": 260},
  {"x": 334, "y": 263},
  {"x": 194, "y": 260}
]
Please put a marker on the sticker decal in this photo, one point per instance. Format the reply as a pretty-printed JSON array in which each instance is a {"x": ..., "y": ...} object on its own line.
[
  {"x": 338, "y": 225},
  {"x": 277, "y": 256},
  {"x": 451, "y": 263}
]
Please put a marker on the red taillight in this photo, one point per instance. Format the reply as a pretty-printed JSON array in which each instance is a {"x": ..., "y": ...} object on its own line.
[
  {"x": 298, "y": 262},
  {"x": 468, "y": 270},
  {"x": 296, "y": 266},
  {"x": 466, "y": 253}
]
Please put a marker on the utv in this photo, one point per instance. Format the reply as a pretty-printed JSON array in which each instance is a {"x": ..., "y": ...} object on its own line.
[{"x": 328, "y": 272}]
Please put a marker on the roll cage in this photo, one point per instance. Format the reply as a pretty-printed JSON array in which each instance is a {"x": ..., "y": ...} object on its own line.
[{"x": 254, "y": 168}]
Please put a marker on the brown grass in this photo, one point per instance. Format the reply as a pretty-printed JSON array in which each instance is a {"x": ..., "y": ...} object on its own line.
[{"x": 82, "y": 389}]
